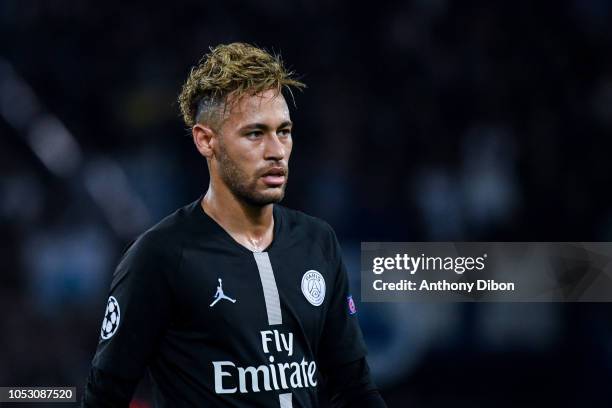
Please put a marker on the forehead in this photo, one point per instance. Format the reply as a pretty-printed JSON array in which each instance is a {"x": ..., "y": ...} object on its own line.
[{"x": 267, "y": 107}]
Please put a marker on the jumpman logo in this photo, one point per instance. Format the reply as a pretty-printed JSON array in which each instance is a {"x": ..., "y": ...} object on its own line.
[{"x": 220, "y": 295}]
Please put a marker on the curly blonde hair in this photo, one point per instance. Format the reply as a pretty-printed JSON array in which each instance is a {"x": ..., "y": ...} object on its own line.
[{"x": 236, "y": 69}]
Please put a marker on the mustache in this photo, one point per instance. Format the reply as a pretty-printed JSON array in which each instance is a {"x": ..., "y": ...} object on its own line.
[{"x": 278, "y": 169}]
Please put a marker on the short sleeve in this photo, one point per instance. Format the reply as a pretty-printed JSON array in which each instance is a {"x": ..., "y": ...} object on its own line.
[
  {"x": 137, "y": 312},
  {"x": 342, "y": 340}
]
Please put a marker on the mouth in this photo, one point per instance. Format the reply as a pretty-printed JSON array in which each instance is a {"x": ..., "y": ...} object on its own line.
[{"x": 275, "y": 177}]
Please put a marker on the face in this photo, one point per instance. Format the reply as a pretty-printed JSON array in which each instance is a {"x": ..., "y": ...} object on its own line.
[{"x": 253, "y": 146}]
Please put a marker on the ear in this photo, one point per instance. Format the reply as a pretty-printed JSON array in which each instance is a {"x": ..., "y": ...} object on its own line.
[{"x": 204, "y": 138}]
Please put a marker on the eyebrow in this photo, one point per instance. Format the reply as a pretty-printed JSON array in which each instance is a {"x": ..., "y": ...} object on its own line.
[{"x": 263, "y": 126}]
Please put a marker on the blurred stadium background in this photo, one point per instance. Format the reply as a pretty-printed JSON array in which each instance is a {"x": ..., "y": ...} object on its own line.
[{"x": 423, "y": 120}]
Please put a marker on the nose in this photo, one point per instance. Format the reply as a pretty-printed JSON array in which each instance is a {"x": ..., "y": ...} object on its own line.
[{"x": 275, "y": 148}]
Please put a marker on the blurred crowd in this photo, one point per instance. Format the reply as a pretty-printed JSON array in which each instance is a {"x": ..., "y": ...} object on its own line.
[{"x": 423, "y": 120}]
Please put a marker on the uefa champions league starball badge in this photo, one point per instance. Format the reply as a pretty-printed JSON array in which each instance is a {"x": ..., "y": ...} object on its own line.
[
  {"x": 313, "y": 287},
  {"x": 112, "y": 315}
]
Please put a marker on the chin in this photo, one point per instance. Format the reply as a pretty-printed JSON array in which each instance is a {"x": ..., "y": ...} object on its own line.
[
  {"x": 273, "y": 198},
  {"x": 261, "y": 198}
]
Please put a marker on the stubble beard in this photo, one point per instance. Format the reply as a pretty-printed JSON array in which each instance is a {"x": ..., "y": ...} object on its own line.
[{"x": 244, "y": 187}]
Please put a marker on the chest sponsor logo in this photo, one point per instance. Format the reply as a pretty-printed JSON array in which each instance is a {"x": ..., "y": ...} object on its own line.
[
  {"x": 313, "y": 287},
  {"x": 285, "y": 372},
  {"x": 219, "y": 295},
  {"x": 112, "y": 315}
]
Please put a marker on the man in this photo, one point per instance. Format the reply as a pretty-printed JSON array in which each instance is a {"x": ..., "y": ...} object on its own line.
[{"x": 281, "y": 319}]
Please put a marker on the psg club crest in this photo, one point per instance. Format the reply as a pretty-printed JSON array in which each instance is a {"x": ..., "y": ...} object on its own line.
[
  {"x": 351, "y": 305},
  {"x": 313, "y": 287},
  {"x": 111, "y": 318}
]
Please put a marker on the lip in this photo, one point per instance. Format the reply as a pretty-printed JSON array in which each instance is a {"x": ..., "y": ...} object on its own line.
[
  {"x": 274, "y": 181},
  {"x": 275, "y": 171},
  {"x": 274, "y": 177}
]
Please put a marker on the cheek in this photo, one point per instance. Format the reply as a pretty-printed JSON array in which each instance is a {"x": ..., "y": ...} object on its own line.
[
  {"x": 245, "y": 153},
  {"x": 249, "y": 159}
]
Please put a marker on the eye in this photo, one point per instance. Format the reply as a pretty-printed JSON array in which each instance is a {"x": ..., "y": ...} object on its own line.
[
  {"x": 254, "y": 134},
  {"x": 284, "y": 132}
]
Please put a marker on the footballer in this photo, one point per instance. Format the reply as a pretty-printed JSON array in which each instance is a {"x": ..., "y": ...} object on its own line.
[{"x": 234, "y": 300}]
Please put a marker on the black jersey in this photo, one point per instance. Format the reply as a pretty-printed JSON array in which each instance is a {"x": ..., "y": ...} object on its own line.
[{"x": 216, "y": 324}]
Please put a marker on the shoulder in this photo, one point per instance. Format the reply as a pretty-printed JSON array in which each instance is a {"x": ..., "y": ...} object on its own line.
[
  {"x": 165, "y": 236},
  {"x": 154, "y": 254},
  {"x": 309, "y": 227},
  {"x": 298, "y": 219},
  {"x": 160, "y": 245}
]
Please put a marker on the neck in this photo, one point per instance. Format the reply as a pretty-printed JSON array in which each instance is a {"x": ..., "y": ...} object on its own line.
[{"x": 251, "y": 226}]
